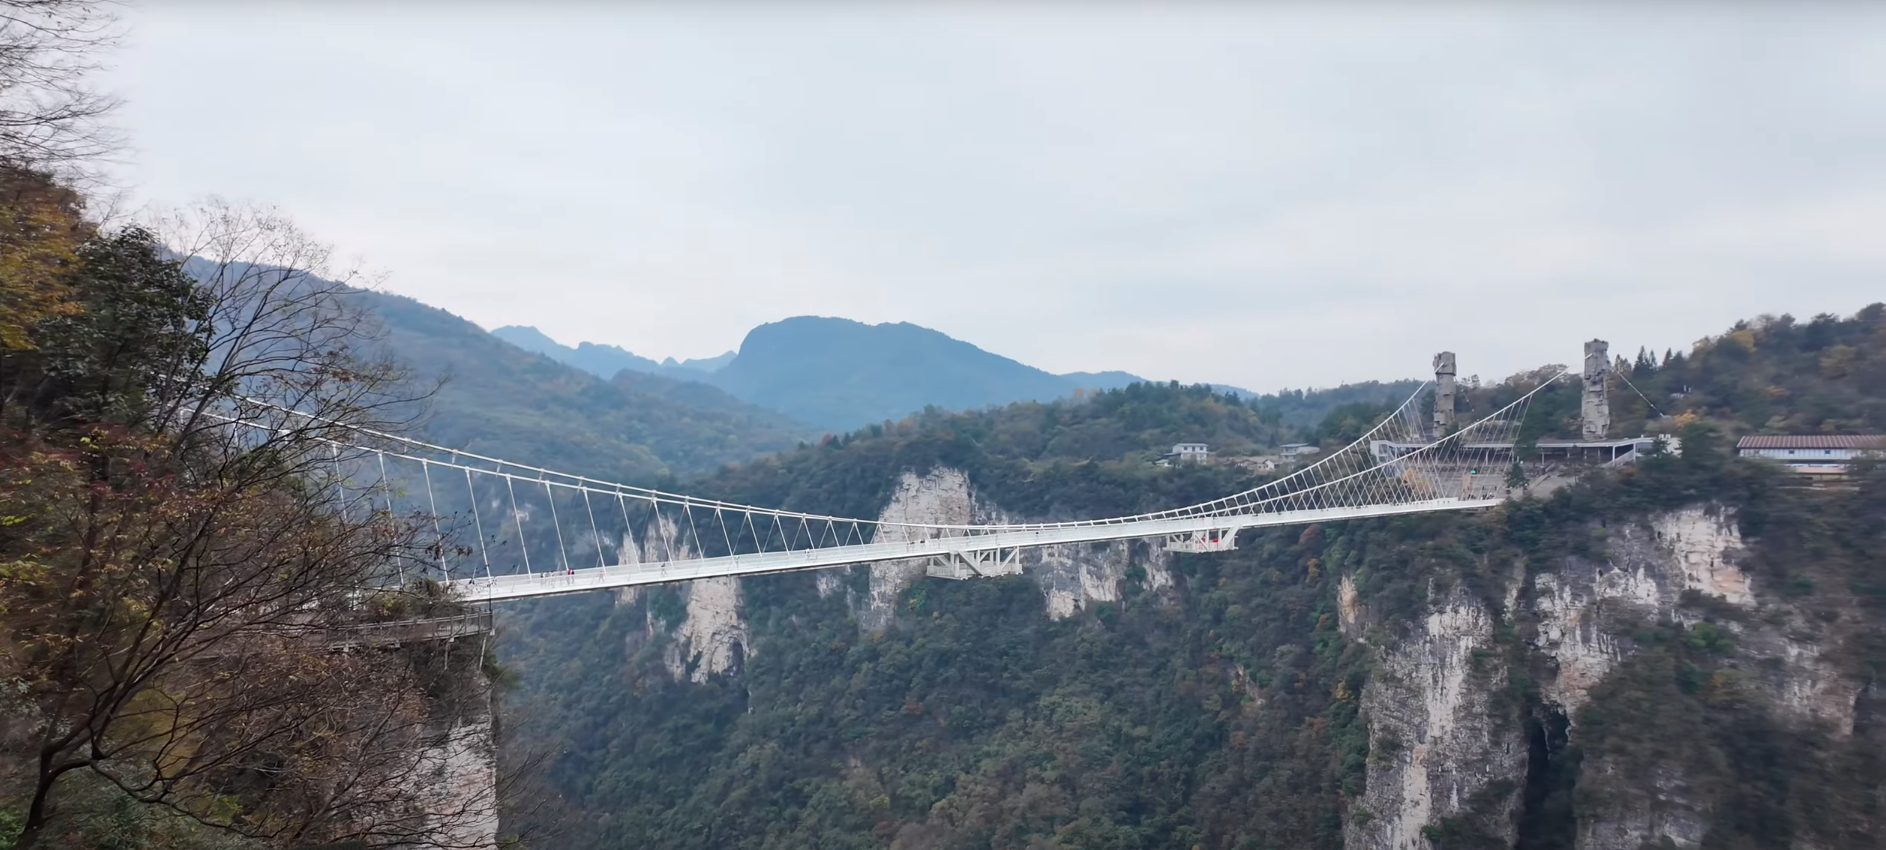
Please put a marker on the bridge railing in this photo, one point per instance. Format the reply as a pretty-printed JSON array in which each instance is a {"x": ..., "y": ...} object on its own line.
[{"x": 494, "y": 517}]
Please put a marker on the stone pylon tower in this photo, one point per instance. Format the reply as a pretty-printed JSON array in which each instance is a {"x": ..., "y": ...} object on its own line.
[
  {"x": 1443, "y": 392},
  {"x": 1596, "y": 409}
]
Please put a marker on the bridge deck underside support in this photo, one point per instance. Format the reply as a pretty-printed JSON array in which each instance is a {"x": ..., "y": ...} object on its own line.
[
  {"x": 1210, "y": 540},
  {"x": 976, "y": 564}
]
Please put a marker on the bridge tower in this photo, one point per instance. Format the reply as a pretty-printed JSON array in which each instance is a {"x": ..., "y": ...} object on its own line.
[
  {"x": 1595, "y": 410},
  {"x": 1443, "y": 393}
]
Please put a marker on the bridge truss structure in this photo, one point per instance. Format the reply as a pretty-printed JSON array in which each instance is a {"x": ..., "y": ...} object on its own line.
[{"x": 509, "y": 530}]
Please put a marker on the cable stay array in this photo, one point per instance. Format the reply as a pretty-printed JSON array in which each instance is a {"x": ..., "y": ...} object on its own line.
[{"x": 508, "y": 530}]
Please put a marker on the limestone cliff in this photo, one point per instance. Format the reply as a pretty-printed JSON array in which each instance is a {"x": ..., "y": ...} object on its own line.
[
  {"x": 713, "y": 637},
  {"x": 1070, "y": 576},
  {"x": 1444, "y": 748},
  {"x": 1582, "y": 604},
  {"x": 941, "y": 497},
  {"x": 455, "y": 774},
  {"x": 1075, "y": 575},
  {"x": 1439, "y": 748},
  {"x": 1585, "y": 608},
  {"x": 459, "y": 778}
]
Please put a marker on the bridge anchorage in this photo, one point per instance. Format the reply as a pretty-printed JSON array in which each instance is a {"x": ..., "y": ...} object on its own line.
[{"x": 523, "y": 531}]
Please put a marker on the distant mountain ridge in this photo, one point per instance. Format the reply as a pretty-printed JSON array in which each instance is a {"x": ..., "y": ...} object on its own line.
[
  {"x": 839, "y": 374},
  {"x": 604, "y": 361},
  {"x": 505, "y": 399}
]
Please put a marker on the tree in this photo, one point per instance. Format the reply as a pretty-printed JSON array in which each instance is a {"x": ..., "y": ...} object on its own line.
[
  {"x": 49, "y": 120},
  {"x": 136, "y": 309},
  {"x": 41, "y": 227},
  {"x": 1515, "y": 476},
  {"x": 181, "y": 551},
  {"x": 50, "y": 115}
]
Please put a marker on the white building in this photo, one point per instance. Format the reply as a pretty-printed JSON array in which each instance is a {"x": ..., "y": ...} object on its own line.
[
  {"x": 1813, "y": 450},
  {"x": 1297, "y": 449},
  {"x": 1196, "y": 452}
]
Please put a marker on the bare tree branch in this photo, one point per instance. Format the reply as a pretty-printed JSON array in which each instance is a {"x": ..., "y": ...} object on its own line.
[{"x": 51, "y": 117}]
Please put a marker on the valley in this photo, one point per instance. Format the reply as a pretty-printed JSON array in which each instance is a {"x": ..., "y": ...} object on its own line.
[
  {"x": 442, "y": 545},
  {"x": 1467, "y": 681}
]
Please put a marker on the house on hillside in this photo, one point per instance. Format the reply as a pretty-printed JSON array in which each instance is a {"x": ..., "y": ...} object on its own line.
[
  {"x": 1297, "y": 449},
  {"x": 1185, "y": 453},
  {"x": 1814, "y": 454},
  {"x": 1191, "y": 453}
]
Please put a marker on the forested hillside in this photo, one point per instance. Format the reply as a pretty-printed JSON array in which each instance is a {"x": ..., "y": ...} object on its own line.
[
  {"x": 500, "y": 400},
  {"x": 1272, "y": 696},
  {"x": 1773, "y": 374}
]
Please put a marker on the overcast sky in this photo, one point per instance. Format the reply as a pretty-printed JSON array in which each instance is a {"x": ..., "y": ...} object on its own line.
[{"x": 1266, "y": 196}]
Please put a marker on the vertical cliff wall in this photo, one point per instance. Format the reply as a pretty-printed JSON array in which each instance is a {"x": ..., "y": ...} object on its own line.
[
  {"x": 1453, "y": 747},
  {"x": 1439, "y": 744},
  {"x": 455, "y": 778},
  {"x": 713, "y": 637}
]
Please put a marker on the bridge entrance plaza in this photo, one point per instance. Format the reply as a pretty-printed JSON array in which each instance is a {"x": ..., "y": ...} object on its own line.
[{"x": 511, "y": 531}]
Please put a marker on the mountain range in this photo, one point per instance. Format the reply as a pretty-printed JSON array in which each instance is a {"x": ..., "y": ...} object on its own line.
[
  {"x": 500, "y": 399},
  {"x": 838, "y": 374},
  {"x": 604, "y": 361}
]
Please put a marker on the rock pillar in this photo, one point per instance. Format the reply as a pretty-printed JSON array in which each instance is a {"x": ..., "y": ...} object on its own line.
[
  {"x": 1596, "y": 409},
  {"x": 1443, "y": 392}
]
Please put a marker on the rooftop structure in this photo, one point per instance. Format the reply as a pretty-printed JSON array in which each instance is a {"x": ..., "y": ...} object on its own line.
[
  {"x": 1763, "y": 444},
  {"x": 1821, "y": 456},
  {"x": 1612, "y": 452}
]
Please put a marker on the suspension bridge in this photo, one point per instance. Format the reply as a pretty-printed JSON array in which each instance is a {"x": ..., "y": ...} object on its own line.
[{"x": 508, "y": 530}]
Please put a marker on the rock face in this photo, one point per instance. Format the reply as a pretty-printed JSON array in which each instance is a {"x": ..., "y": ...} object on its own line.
[
  {"x": 1073, "y": 576},
  {"x": 1441, "y": 750},
  {"x": 1583, "y": 604},
  {"x": 456, "y": 772},
  {"x": 1669, "y": 807},
  {"x": 1583, "y": 607},
  {"x": 1070, "y": 576},
  {"x": 941, "y": 497},
  {"x": 713, "y": 638},
  {"x": 1703, "y": 547},
  {"x": 1438, "y": 747},
  {"x": 461, "y": 780}
]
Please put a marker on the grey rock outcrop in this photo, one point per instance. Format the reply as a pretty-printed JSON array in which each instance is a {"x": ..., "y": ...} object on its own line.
[
  {"x": 1438, "y": 746},
  {"x": 1441, "y": 749}
]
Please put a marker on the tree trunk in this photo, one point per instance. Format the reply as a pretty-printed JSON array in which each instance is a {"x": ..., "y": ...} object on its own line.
[{"x": 36, "y": 813}]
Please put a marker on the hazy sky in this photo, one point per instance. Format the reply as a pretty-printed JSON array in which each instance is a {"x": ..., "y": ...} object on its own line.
[{"x": 1268, "y": 196}]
